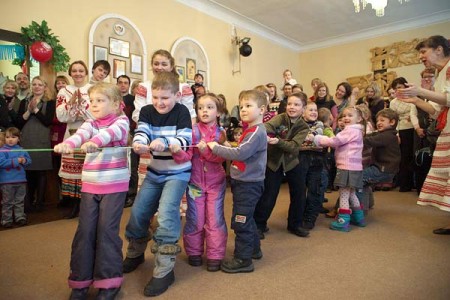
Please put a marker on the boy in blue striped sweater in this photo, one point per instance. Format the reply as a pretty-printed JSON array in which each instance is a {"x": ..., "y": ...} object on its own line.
[{"x": 162, "y": 124}]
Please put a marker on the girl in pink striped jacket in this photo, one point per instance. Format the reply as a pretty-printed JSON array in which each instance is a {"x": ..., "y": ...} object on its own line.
[
  {"x": 348, "y": 154},
  {"x": 97, "y": 248}
]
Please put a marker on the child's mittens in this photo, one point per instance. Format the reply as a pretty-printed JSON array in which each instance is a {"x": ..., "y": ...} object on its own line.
[{"x": 63, "y": 148}]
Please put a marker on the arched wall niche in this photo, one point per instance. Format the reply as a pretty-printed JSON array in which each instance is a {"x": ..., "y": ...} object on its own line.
[
  {"x": 191, "y": 58},
  {"x": 120, "y": 41}
]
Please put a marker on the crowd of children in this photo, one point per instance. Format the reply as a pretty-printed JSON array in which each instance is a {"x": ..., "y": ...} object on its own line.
[{"x": 187, "y": 155}]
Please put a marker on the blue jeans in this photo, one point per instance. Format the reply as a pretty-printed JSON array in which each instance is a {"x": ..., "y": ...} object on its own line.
[
  {"x": 164, "y": 197},
  {"x": 373, "y": 175}
]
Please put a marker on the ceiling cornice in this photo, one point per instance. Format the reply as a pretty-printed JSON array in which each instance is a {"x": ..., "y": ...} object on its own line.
[{"x": 217, "y": 11}]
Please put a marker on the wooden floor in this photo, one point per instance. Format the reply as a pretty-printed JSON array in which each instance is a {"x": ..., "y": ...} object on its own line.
[{"x": 395, "y": 257}]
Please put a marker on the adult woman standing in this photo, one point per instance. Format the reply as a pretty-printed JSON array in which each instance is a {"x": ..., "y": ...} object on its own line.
[
  {"x": 435, "y": 52},
  {"x": 34, "y": 117},
  {"x": 72, "y": 108},
  {"x": 373, "y": 99},
  {"x": 407, "y": 119},
  {"x": 9, "y": 104},
  {"x": 322, "y": 98},
  {"x": 342, "y": 95}
]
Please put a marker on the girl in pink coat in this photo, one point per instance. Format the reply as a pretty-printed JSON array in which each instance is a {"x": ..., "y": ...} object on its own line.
[
  {"x": 205, "y": 221},
  {"x": 348, "y": 154}
]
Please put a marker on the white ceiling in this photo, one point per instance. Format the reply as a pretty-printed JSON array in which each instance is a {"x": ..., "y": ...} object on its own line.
[{"x": 303, "y": 25}]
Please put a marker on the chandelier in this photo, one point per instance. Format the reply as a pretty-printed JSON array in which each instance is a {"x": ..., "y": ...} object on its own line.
[{"x": 378, "y": 5}]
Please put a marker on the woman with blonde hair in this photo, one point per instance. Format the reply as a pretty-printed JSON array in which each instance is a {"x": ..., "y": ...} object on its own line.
[
  {"x": 34, "y": 118},
  {"x": 373, "y": 99}
]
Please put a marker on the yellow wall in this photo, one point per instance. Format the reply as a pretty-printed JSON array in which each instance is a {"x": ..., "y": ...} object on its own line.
[
  {"x": 335, "y": 64},
  {"x": 163, "y": 22}
]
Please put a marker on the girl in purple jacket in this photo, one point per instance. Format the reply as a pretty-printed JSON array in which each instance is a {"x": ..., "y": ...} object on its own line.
[
  {"x": 348, "y": 155},
  {"x": 205, "y": 221}
]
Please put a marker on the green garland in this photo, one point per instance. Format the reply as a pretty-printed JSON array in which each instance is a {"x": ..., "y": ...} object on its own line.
[{"x": 36, "y": 32}]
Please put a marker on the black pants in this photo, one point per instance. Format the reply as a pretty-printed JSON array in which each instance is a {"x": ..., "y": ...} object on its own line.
[{"x": 406, "y": 173}]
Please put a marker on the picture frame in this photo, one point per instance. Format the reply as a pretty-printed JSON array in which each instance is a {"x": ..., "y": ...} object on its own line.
[
  {"x": 119, "y": 67},
  {"x": 136, "y": 64},
  {"x": 191, "y": 68},
  {"x": 100, "y": 53},
  {"x": 181, "y": 73},
  {"x": 119, "y": 47}
]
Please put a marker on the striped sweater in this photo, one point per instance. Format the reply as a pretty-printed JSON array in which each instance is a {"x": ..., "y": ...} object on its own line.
[
  {"x": 174, "y": 127},
  {"x": 106, "y": 171}
]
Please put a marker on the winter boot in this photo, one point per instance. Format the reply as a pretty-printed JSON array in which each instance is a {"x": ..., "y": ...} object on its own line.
[
  {"x": 342, "y": 222},
  {"x": 135, "y": 253},
  {"x": 163, "y": 275},
  {"x": 357, "y": 217}
]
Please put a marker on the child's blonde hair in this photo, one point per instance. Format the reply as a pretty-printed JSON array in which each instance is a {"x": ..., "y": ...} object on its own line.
[
  {"x": 166, "y": 81},
  {"x": 109, "y": 90},
  {"x": 358, "y": 110},
  {"x": 255, "y": 95}
]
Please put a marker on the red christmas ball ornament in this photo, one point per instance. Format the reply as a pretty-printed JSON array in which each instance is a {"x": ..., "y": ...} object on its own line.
[{"x": 41, "y": 51}]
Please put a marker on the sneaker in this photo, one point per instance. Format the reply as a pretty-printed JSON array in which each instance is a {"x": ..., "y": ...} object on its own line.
[
  {"x": 299, "y": 231},
  {"x": 157, "y": 286},
  {"x": 22, "y": 222},
  {"x": 79, "y": 294},
  {"x": 130, "y": 264},
  {"x": 257, "y": 254},
  {"x": 213, "y": 265},
  {"x": 107, "y": 294},
  {"x": 195, "y": 260},
  {"x": 237, "y": 265},
  {"x": 260, "y": 234}
]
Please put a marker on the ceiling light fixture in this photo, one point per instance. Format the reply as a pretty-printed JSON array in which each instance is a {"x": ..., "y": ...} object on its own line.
[{"x": 377, "y": 5}]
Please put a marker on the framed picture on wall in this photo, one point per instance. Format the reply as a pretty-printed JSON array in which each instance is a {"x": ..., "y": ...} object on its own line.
[
  {"x": 100, "y": 53},
  {"x": 119, "y": 67},
  {"x": 136, "y": 64},
  {"x": 119, "y": 47},
  {"x": 181, "y": 73},
  {"x": 191, "y": 68}
]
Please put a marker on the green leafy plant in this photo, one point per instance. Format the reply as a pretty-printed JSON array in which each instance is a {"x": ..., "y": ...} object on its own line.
[{"x": 36, "y": 32}]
